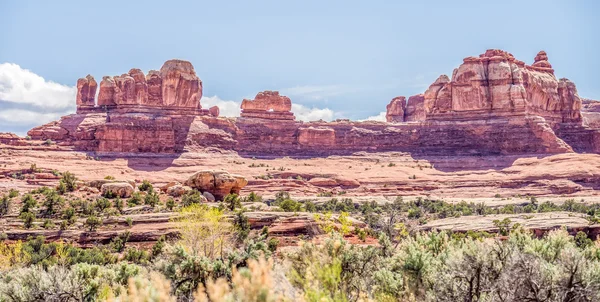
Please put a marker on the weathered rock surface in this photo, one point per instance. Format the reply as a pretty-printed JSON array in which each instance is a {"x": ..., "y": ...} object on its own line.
[
  {"x": 121, "y": 189},
  {"x": 493, "y": 104},
  {"x": 218, "y": 183},
  {"x": 86, "y": 92},
  {"x": 11, "y": 139},
  {"x": 395, "y": 110},
  {"x": 178, "y": 190},
  {"x": 268, "y": 105},
  {"x": 539, "y": 223}
]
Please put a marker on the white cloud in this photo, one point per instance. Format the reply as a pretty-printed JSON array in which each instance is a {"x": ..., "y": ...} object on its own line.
[
  {"x": 20, "y": 117},
  {"x": 21, "y": 86},
  {"x": 380, "y": 117},
  {"x": 306, "y": 114},
  {"x": 226, "y": 108}
]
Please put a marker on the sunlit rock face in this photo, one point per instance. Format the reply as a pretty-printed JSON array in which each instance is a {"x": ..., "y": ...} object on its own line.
[
  {"x": 496, "y": 82},
  {"x": 493, "y": 104},
  {"x": 268, "y": 105}
]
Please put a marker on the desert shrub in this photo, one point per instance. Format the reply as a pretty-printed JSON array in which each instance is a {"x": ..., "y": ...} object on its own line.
[
  {"x": 241, "y": 225},
  {"x": 118, "y": 242},
  {"x": 28, "y": 219},
  {"x": 109, "y": 194},
  {"x": 28, "y": 203},
  {"x": 253, "y": 197},
  {"x": 118, "y": 204},
  {"x": 69, "y": 180},
  {"x": 170, "y": 203},
  {"x": 4, "y": 205},
  {"x": 135, "y": 199},
  {"x": 151, "y": 198},
  {"x": 158, "y": 247},
  {"x": 12, "y": 193},
  {"x": 93, "y": 222},
  {"x": 251, "y": 284},
  {"x": 232, "y": 202},
  {"x": 145, "y": 186},
  {"x": 48, "y": 224},
  {"x": 52, "y": 203},
  {"x": 334, "y": 205},
  {"x": 191, "y": 197},
  {"x": 288, "y": 205},
  {"x": 102, "y": 204}
]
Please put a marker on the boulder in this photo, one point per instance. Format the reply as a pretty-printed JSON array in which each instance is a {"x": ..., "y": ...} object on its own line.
[
  {"x": 218, "y": 183},
  {"x": 121, "y": 189},
  {"x": 209, "y": 197},
  {"x": 178, "y": 190}
]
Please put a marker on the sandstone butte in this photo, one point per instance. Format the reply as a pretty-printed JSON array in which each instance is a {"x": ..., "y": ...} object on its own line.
[{"x": 493, "y": 104}]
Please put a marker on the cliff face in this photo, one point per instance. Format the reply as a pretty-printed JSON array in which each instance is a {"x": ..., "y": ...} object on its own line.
[{"x": 493, "y": 104}]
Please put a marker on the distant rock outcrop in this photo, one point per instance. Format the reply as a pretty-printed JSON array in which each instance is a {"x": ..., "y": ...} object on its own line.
[
  {"x": 268, "y": 105},
  {"x": 493, "y": 104},
  {"x": 175, "y": 89}
]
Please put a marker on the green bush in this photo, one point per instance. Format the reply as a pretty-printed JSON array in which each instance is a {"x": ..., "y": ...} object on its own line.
[
  {"x": 135, "y": 199},
  {"x": 192, "y": 197},
  {"x": 12, "y": 193},
  {"x": 4, "y": 205},
  {"x": 93, "y": 222},
  {"x": 151, "y": 198},
  {"x": 232, "y": 202},
  {"x": 28, "y": 203},
  {"x": 28, "y": 219},
  {"x": 145, "y": 186}
]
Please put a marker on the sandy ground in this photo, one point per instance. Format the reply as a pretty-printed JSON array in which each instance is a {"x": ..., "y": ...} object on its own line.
[{"x": 382, "y": 176}]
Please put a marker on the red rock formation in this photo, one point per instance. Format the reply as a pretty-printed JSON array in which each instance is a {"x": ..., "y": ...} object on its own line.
[
  {"x": 180, "y": 85},
  {"x": 399, "y": 110},
  {"x": 415, "y": 108},
  {"x": 175, "y": 88},
  {"x": 86, "y": 92},
  {"x": 268, "y": 105},
  {"x": 109, "y": 92},
  {"x": 494, "y": 104},
  {"x": 11, "y": 139},
  {"x": 140, "y": 86},
  {"x": 395, "y": 110}
]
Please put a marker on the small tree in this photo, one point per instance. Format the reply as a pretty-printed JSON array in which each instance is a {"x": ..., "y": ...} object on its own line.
[
  {"x": 232, "y": 201},
  {"x": 28, "y": 203},
  {"x": 145, "y": 186},
  {"x": 102, "y": 204},
  {"x": 152, "y": 198},
  {"x": 170, "y": 203},
  {"x": 4, "y": 205},
  {"x": 93, "y": 222},
  {"x": 52, "y": 203},
  {"x": 27, "y": 218},
  {"x": 203, "y": 231},
  {"x": 69, "y": 180}
]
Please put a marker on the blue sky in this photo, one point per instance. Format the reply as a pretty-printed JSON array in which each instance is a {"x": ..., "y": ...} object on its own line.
[{"x": 351, "y": 57}]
